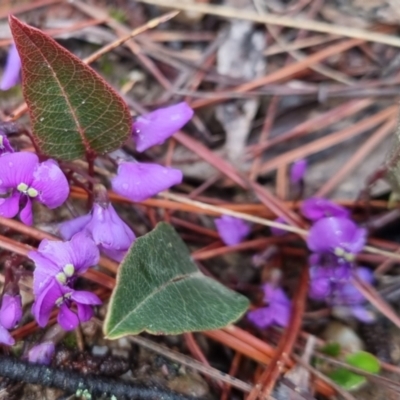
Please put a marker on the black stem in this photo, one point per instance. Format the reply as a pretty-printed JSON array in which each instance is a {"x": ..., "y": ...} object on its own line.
[{"x": 93, "y": 387}]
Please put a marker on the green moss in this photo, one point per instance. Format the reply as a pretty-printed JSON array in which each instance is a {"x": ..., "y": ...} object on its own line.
[{"x": 70, "y": 341}]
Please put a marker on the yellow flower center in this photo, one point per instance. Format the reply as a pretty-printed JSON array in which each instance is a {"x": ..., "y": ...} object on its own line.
[{"x": 25, "y": 189}]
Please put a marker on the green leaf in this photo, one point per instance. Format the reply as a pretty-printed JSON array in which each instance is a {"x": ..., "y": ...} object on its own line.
[
  {"x": 73, "y": 111},
  {"x": 331, "y": 349},
  {"x": 365, "y": 361},
  {"x": 347, "y": 379},
  {"x": 160, "y": 290}
]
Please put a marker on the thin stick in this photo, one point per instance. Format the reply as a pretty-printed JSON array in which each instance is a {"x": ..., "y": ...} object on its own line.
[
  {"x": 273, "y": 19},
  {"x": 149, "y": 25},
  {"x": 361, "y": 154},
  {"x": 330, "y": 140},
  {"x": 221, "y": 210},
  {"x": 191, "y": 363}
]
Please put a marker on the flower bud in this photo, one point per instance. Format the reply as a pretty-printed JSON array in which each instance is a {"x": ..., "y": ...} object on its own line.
[
  {"x": 10, "y": 311},
  {"x": 41, "y": 353}
]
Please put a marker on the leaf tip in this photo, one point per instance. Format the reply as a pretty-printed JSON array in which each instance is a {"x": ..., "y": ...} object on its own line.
[{"x": 13, "y": 20}]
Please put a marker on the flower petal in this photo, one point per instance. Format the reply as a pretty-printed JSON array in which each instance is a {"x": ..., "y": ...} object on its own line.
[
  {"x": 139, "y": 181},
  {"x": 10, "y": 311},
  {"x": 116, "y": 255},
  {"x": 274, "y": 294},
  {"x": 67, "y": 319},
  {"x": 362, "y": 314},
  {"x": 26, "y": 213},
  {"x": 261, "y": 317},
  {"x": 5, "y": 337},
  {"x": 316, "y": 208},
  {"x": 69, "y": 228},
  {"x": 51, "y": 183},
  {"x": 108, "y": 230},
  {"x": 84, "y": 297},
  {"x": 45, "y": 270},
  {"x": 5, "y": 146},
  {"x": 16, "y": 168},
  {"x": 278, "y": 231},
  {"x": 328, "y": 234},
  {"x": 80, "y": 251},
  {"x": 84, "y": 252},
  {"x": 42, "y": 353},
  {"x": 9, "y": 206},
  {"x": 298, "y": 170},
  {"x": 154, "y": 128},
  {"x": 232, "y": 230},
  {"x": 11, "y": 74},
  {"x": 45, "y": 301},
  {"x": 85, "y": 312},
  {"x": 281, "y": 313}
]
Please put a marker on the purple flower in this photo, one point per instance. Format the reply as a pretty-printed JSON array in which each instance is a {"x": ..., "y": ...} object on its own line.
[
  {"x": 154, "y": 128},
  {"x": 323, "y": 279},
  {"x": 57, "y": 266},
  {"x": 10, "y": 311},
  {"x": 23, "y": 178},
  {"x": 11, "y": 74},
  {"x": 74, "y": 306},
  {"x": 42, "y": 353},
  {"x": 109, "y": 232},
  {"x": 139, "y": 181},
  {"x": 339, "y": 236},
  {"x": 232, "y": 230},
  {"x": 277, "y": 311},
  {"x": 316, "y": 208},
  {"x": 334, "y": 286},
  {"x": 5, "y": 337},
  {"x": 278, "y": 231},
  {"x": 62, "y": 261},
  {"x": 298, "y": 170},
  {"x": 5, "y": 146}
]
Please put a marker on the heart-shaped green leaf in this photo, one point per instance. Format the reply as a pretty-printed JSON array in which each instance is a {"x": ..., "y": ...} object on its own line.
[
  {"x": 74, "y": 112},
  {"x": 160, "y": 290}
]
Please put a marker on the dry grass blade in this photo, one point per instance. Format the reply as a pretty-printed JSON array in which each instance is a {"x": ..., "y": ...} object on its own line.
[
  {"x": 330, "y": 140},
  {"x": 358, "y": 157},
  {"x": 301, "y": 232},
  {"x": 230, "y": 12}
]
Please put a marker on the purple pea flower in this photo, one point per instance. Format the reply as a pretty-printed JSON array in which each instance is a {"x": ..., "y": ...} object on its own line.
[
  {"x": 5, "y": 337},
  {"x": 232, "y": 230},
  {"x": 334, "y": 286},
  {"x": 336, "y": 235},
  {"x": 11, "y": 74},
  {"x": 278, "y": 231},
  {"x": 57, "y": 266},
  {"x": 42, "y": 353},
  {"x": 5, "y": 146},
  {"x": 155, "y": 127},
  {"x": 139, "y": 181},
  {"x": 276, "y": 312},
  {"x": 74, "y": 306},
  {"x": 109, "y": 232},
  {"x": 23, "y": 178},
  {"x": 298, "y": 170},
  {"x": 316, "y": 208},
  {"x": 10, "y": 311}
]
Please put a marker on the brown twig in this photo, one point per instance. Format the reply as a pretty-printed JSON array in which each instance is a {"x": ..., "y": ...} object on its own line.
[{"x": 286, "y": 343}]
